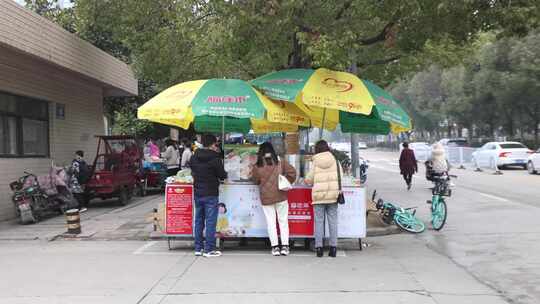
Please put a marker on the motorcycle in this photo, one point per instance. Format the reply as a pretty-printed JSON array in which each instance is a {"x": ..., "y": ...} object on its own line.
[
  {"x": 34, "y": 197},
  {"x": 364, "y": 165}
]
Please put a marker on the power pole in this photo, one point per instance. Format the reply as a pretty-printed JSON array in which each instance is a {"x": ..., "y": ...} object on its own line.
[{"x": 354, "y": 137}]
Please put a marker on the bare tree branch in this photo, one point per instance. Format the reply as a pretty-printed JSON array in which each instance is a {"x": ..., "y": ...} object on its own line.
[
  {"x": 380, "y": 61},
  {"x": 381, "y": 36}
]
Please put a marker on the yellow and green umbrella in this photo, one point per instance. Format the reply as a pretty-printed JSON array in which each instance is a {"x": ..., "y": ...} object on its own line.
[
  {"x": 330, "y": 98},
  {"x": 216, "y": 105}
]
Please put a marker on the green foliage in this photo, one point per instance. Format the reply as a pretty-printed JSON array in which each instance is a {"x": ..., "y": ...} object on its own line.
[
  {"x": 126, "y": 123},
  {"x": 171, "y": 41},
  {"x": 494, "y": 90},
  {"x": 465, "y": 62}
]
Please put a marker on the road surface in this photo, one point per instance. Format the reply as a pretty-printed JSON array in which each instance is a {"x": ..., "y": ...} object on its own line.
[{"x": 487, "y": 253}]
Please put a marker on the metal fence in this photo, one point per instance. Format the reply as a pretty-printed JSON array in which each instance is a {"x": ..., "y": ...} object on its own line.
[
  {"x": 422, "y": 153},
  {"x": 458, "y": 157}
]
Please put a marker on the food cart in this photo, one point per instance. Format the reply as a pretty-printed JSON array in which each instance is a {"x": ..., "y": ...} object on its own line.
[{"x": 241, "y": 214}]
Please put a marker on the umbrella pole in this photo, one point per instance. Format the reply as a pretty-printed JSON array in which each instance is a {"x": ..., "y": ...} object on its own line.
[
  {"x": 322, "y": 126},
  {"x": 223, "y": 133}
]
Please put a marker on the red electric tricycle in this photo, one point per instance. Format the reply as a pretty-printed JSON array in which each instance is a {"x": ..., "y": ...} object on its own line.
[{"x": 116, "y": 169}]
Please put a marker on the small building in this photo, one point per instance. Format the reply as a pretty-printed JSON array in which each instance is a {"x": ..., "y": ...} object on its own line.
[{"x": 52, "y": 86}]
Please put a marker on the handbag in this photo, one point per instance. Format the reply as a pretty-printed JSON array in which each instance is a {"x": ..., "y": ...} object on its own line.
[
  {"x": 340, "y": 199},
  {"x": 283, "y": 182}
]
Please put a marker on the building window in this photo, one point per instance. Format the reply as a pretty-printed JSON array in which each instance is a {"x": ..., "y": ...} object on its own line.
[{"x": 24, "y": 126}]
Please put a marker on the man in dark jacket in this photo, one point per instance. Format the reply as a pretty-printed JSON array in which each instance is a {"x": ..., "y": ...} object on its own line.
[
  {"x": 207, "y": 170},
  {"x": 407, "y": 164}
]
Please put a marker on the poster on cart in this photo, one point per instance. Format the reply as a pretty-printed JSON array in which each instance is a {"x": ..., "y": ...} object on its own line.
[
  {"x": 179, "y": 209},
  {"x": 240, "y": 212},
  {"x": 352, "y": 214},
  {"x": 300, "y": 212}
]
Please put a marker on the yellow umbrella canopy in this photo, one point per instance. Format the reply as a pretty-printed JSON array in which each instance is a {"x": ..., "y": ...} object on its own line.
[
  {"x": 330, "y": 98},
  {"x": 215, "y": 105}
]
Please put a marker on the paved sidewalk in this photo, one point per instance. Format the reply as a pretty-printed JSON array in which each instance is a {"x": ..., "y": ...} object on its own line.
[
  {"x": 103, "y": 220},
  {"x": 395, "y": 269},
  {"x": 109, "y": 221}
]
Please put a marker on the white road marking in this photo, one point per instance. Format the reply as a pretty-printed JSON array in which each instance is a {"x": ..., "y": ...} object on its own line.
[
  {"x": 143, "y": 251},
  {"x": 384, "y": 169},
  {"x": 144, "y": 247},
  {"x": 493, "y": 197},
  {"x": 340, "y": 253}
]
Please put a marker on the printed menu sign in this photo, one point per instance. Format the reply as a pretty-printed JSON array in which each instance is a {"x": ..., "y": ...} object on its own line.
[{"x": 179, "y": 209}]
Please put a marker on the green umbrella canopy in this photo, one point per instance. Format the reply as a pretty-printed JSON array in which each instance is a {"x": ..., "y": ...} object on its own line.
[{"x": 387, "y": 115}]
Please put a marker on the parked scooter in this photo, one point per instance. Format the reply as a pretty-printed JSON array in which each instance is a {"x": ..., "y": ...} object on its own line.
[
  {"x": 34, "y": 197},
  {"x": 364, "y": 165}
]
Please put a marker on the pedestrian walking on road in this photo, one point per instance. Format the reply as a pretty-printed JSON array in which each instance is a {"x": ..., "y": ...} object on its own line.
[
  {"x": 207, "y": 170},
  {"x": 324, "y": 178},
  {"x": 274, "y": 201},
  {"x": 407, "y": 164}
]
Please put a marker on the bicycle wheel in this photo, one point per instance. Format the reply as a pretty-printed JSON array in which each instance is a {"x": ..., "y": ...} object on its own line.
[
  {"x": 438, "y": 214},
  {"x": 409, "y": 222}
]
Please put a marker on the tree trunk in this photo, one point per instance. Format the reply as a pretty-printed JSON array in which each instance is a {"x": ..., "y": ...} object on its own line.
[{"x": 536, "y": 131}]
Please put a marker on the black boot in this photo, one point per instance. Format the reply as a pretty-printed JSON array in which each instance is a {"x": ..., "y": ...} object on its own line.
[
  {"x": 319, "y": 252},
  {"x": 333, "y": 251}
]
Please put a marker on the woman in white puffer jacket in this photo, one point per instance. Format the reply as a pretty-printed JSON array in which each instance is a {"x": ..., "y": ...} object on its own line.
[
  {"x": 324, "y": 178},
  {"x": 438, "y": 159}
]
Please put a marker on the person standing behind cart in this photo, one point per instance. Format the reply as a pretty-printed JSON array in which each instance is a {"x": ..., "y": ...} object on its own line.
[
  {"x": 207, "y": 170},
  {"x": 324, "y": 178},
  {"x": 407, "y": 164},
  {"x": 171, "y": 157},
  {"x": 153, "y": 149},
  {"x": 186, "y": 154},
  {"x": 274, "y": 201}
]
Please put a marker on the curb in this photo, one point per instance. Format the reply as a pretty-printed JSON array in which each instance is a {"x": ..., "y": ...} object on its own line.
[
  {"x": 371, "y": 232},
  {"x": 382, "y": 231}
]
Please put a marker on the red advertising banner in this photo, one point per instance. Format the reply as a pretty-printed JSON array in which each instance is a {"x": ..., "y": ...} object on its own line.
[
  {"x": 179, "y": 209},
  {"x": 300, "y": 212}
]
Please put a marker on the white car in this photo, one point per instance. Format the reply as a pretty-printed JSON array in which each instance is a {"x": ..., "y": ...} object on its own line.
[
  {"x": 508, "y": 153},
  {"x": 362, "y": 145},
  {"x": 454, "y": 142},
  {"x": 343, "y": 147},
  {"x": 533, "y": 163}
]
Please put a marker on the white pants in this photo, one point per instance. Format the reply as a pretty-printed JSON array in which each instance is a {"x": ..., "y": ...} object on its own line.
[{"x": 282, "y": 211}]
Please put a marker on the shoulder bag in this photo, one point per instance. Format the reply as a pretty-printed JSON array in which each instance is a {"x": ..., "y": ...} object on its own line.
[
  {"x": 340, "y": 198},
  {"x": 283, "y": 182}
]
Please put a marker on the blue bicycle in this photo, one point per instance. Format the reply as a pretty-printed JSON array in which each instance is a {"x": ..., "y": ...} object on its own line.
[
  {"x": 404, "y": 218},
  {"x": 439, "y": 211}
]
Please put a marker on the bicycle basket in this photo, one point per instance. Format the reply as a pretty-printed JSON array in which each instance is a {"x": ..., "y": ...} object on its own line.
[{"x": 442, "y": 189}]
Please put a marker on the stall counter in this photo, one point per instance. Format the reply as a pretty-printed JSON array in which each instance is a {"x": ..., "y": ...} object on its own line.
[{"x": 241, "y": 215}]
